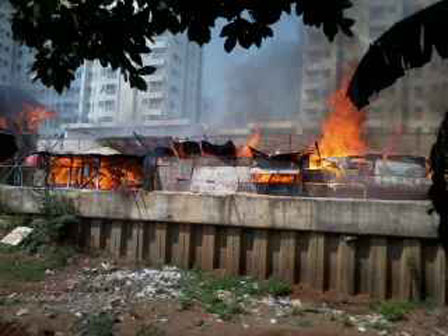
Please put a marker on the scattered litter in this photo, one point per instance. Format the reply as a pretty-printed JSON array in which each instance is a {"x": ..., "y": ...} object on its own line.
[
  {"x": 22, "y": 312},
  {"x": 16, "y": 236},
  {"x": 273, "y": 321},
  {"x": 49, "y": 272}
]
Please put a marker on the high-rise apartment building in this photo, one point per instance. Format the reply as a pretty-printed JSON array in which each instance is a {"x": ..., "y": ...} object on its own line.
[
  {"x": 6, "y": 44},
  {"x": 101, "y": 97},
  {"x": 414, "y": 104},
  {"x": 173, "y": 90}
]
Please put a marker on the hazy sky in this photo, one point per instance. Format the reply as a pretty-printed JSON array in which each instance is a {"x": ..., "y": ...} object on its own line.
[{"x": 217, "y": 63}]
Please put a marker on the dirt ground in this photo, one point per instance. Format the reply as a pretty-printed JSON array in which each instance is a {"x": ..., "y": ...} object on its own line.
[{"x": 21, "y": 316}]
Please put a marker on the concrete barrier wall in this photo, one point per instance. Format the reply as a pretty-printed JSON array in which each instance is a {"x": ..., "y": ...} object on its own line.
[{"x": 385, "y": 249}]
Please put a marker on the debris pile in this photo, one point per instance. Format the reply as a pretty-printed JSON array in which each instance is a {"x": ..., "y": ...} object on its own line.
[{"x": 97, "y": 290}]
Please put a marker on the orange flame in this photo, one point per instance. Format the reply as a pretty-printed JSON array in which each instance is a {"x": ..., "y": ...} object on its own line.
[
  {"x": 274, "y": 178},
  {"x": 253, "y": 141},
  {"x": 31, "y": 117},
  {"x": 83, "y": 172},
  {"x": 341, "y": 131}
]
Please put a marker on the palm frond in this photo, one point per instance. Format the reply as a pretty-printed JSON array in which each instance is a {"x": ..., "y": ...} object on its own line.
[{"x": 408, "y": 44}]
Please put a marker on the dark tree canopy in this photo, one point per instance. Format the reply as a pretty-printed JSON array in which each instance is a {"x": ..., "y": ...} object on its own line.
[{"x": 65, "y": 33}]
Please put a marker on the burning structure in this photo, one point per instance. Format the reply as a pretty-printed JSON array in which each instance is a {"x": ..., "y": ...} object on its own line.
[
  {"x": 338, "y": 164},
  {"x": 101, "y": 169}
]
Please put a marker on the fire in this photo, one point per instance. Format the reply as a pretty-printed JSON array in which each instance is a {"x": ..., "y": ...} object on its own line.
[
  {"x": 31, "y": 117},
  {"x": 274, "y": 178},
  {"x": 253, "y": 141},
  {"x": 341, "y": 131},
  {"x": 90, "y": 173}
]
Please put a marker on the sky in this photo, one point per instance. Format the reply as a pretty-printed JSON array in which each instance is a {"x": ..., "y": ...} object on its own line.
[{"x": 217, "y": 64}]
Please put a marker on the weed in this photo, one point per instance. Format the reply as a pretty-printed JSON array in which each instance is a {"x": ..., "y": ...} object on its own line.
[
  {"x": 17, "y": 269},
  {"x": 150, "y": 330},
  {"x": 276, "y": 287},
  {"x": 97, "y": 325},
  {"x": 394, "y": 310},
  {"x": 58, "y": 214},
  {"x": 224, "y": 296},
  {"x": 58, "y": 256},
  {"x": 6, "y": 301},
  {"x": 347, "y": 322}
]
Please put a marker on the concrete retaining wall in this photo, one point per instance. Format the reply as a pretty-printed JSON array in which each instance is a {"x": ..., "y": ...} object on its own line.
[{"x": 382, "y": 248}]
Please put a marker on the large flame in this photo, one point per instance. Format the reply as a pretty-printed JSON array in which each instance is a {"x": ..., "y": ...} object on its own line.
[
  {"x": 84, "y": 172},
  {"x": 253, "y": 141},
  {"x": 28, "y": 120},
  {"x": 31, "y": 117},
  {"x": 341, "y": 131}
]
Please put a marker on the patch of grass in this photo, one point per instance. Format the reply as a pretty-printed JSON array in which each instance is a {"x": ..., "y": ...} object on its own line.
[
  {"x": 97, "y": 325},
  {"x": 17, "y": 268},
  {"x": 276, "y": 287},
  {"x": 5, "y": 301},
  {"x": 224, "y": 296},
  {"x": 394, "y": 310},
  {"x": 58, "y": 256}
]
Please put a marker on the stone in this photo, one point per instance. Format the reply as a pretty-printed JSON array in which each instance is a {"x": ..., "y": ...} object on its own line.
[{"x": 296, "y": 303}]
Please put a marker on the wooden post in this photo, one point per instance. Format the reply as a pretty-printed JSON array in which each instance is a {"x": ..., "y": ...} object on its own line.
[
  {"x": 260, "y": 254},
  {"x": 287, "y": 256},
  {"x": 134, "y": 242},
  {"x": 184, "y": 250},
  {"x": 95, "y": 234},
  {"x": 411, "y": 270},
  {"x": 345, "y": 278},
  {"x": 116, "y": 239},
  {"x": 161, "y": 238},
  {"x": 440, "y": 275},
  {"x": 316, "y": 261},
  {"x": 233, "y": 251},
  {"x": 208, "y": 247},
  {"x": 378, "y": 268}
]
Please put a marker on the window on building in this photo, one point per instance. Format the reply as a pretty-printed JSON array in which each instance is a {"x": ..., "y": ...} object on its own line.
[
  {"x": 155, "y": 103},
  {"x": 108, "y": 73},
  {"x": 156, "y": 86},
  {"x": 109, "y": 89},
  {"x": 107, "y": 105},
  {"x": 177, "y": 58},
  {"x": 110, "y": 105}
]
